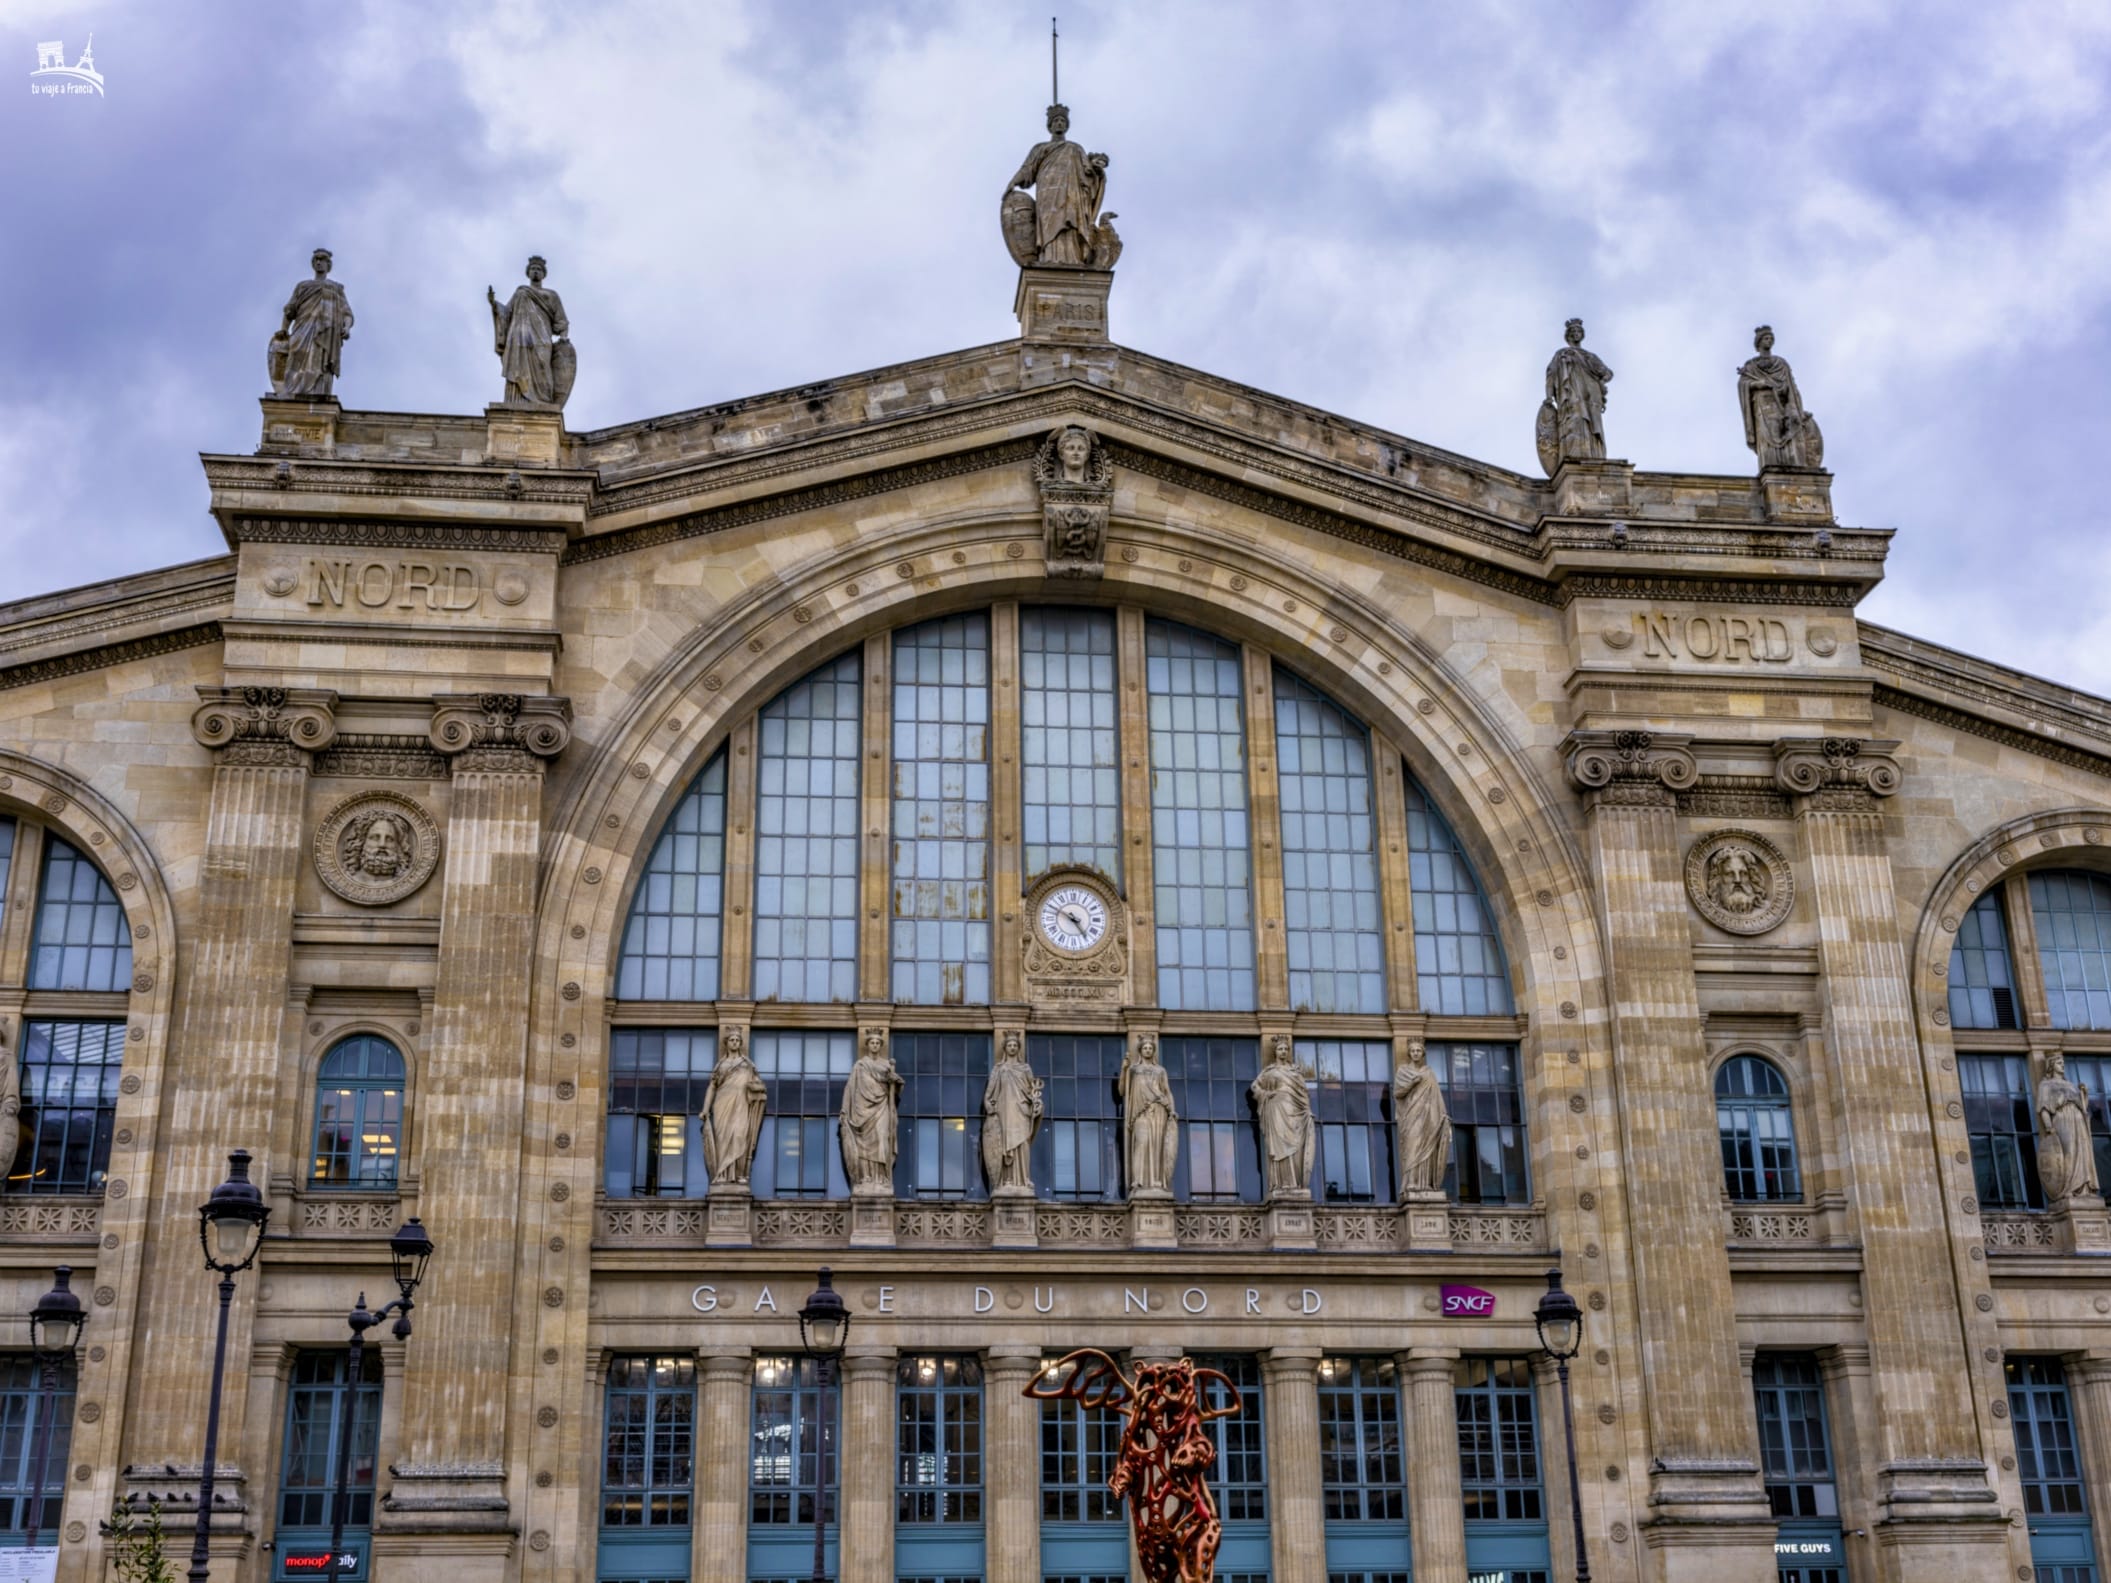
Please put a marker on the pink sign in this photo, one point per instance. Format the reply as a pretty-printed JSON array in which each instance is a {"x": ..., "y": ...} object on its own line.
[{"x": 1462, "y": 1302}]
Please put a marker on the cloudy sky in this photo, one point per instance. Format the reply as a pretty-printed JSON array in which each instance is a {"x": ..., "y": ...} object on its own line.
[{"x": 1385, "y": 210}]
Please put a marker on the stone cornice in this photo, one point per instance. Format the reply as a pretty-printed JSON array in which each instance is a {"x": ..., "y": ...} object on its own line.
[
  {"x": 32, "y": 672},
  {"x": 391, "y": 534},
  {"x": 1987, "y": 700}
]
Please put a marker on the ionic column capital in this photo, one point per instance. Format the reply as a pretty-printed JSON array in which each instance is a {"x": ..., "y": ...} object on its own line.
[
  {"x": 729, "y": 1364},
  {"x": 1629, "y": 768},
  {"x": 500, "y": 731},
  {"x": 1834, "y": 774},
  {"x": 272, "y": 726}
]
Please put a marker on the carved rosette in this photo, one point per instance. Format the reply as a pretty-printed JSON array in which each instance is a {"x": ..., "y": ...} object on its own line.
[
  {"x": 1630, "y": 768},
  {"x": 1099, "y": 975},
  {"x": 500, "y": 732},
  {"x": 1739, "y": 881},
  {"x": 1836, "y": 772},
  {"x": 1076, "y": 479},
  {"x": 270, "y": 726},
  {"x": 376, "y": 848}
]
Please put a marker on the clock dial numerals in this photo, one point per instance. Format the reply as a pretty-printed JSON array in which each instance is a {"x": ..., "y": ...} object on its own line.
[{"x": 1073, "y": 918}]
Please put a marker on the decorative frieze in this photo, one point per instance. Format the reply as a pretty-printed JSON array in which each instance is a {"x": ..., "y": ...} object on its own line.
[
  {"x": 1775, "y": 1226},
  {"x": 2022, "y": 1232},
  {"x": 352, "y": 1215},
  {"x": 51, "y": 1219}
]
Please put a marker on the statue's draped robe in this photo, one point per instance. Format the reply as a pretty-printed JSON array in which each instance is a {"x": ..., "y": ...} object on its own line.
[
  {"x": 1425, "y": 1128},
  {"x": 528, "y": 326},
  {"x": 2066, "y": 1152},
  {"x": 1285, "y": 1107},
  {"x": 1067, "y": 194},
  {"x": 733, "y": 1106},
  {"x": 1011, "y": 1108},
  {"x": 321, "y": 319},
  {"x": 1773, "y": 412},
  {"x": 1147, "y": 1100},
  {"x": 868, "y": 1120},
  {"x": 1576, "y": 382}
]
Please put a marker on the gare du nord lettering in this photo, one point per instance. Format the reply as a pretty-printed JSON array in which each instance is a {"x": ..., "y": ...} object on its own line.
[{"x": 407, "y": 584}]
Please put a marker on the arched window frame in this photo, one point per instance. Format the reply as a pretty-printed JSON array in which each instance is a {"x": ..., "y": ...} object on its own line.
[
  {"x": 379, "y": 1180},
  {"x": 1769, "y": 1184}
]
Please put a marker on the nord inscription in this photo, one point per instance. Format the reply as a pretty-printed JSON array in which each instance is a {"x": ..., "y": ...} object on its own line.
[
  {"x": 1726, "y": 640},
  {"x": 407, "y": 584}
]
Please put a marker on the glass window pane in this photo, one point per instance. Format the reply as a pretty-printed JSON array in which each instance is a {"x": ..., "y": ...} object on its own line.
[
  {"x": 939, "y": 911},
  {"x": 358, "y": 1115},
  {"x": 1489, "y": 1146},
  {"x": 671, "y": 942},
  {"x": 1982, "y": 993},
  {"x": 2003, "y": 1132},
  {"x": 1362, "y": 1477},
  {"x": 1459, "y": 964},
  {"x": 648, "y": 1442},
  {"x": 82, "y": 939},
  {"x": 1220, "y": 1157},
  {"x": 1077, "y": 1155},
  {"x": 656, "y": 1082},
  {"x": 69, "y": 1105},
  {"x": 792, "y": 1449},
  {"x": 941, "y": 1114},
  {"x": 2048, "y": 1457},
  {"x": 1069, "y": 756},
  {"x": 804, "y": 1071},
  {"x": 1355, "y": 1124},
  {"x": 21, "y": 1423},
  {"x": 1330, "y": 853},
  {"x": 806, "y": 837},
  {"x": 938, "y": 1439},
  {"x": 1757, "y": 1132},
  {"x": 2072, "y": 910},
  {"x": 1498, "y": 1440},
  {"x": 315, "y": 1424}
]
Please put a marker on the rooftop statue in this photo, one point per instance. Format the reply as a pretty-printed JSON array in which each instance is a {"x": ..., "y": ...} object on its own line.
[
  {"x": 1059, "y": 224},
  {"x": 528, "y": 331},
  {"x": 1776, "y": 426},
  {"x": 1572, "y": 418},
  {"x": 304, "y": 355}
]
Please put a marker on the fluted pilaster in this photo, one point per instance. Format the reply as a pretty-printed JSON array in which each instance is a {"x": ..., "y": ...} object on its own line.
[
  {"x": 719, "y": 1542},
  {"x": 868, "y": 1466},
  {"x": 1297, "y": 1512},
  {"x": 1013, "y": 1465},
  {"x": 1435, "y": 1494}
]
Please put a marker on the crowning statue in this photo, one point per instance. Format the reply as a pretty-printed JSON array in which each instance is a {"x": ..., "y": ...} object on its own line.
[
  {"x": 1153, "y": 1132},
  {"x": 1060, "y": 224},
  {"x": 1776, "y": 426},
  {"x": 733, "y": 1104},
  {"x": 528, "y": 331},
  {"x": 870, "y": 1097},
  {"x": 1284, "y": 1104},
  {"x": 1011, "y": 1115},
  {"x": 2066, "y": 1152},
  {"x": 1572, "y": 418},
  {"x": 1422, "y": 1122},
  {"x": 304, "y": 355}
]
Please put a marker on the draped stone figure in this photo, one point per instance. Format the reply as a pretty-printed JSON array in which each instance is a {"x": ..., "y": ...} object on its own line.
[
  {"x": 1060, "y": 223},
  {"x": 305, "y": 354},
  {"x": 528, "y": 332},
  {"x": 1421, "y": 1122},
  {"x": 733, "y": 1106},
  {"x": 2066, "y": 1152},
  {"x": 868, "y": 1126},
  {"x": 1152, "y": 1128},
  {"x": 1284, "y": 1106},
  {"x": 1776, "y": 426},
  {"x": 1011, "y": 1115},
  {"x": 10, "y": 1111},
  {"x": 1572, "y": 418}
]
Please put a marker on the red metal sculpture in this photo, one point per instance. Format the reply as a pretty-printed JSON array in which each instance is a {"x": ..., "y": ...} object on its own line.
[{"x": 1166, "y": 1453}]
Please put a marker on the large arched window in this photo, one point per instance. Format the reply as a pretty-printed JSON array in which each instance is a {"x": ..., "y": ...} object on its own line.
[
  {"x": 66, "y": 953},
  {"x": 1757, "y": 1130},
  {"x": 873, "y": 832},
  {"x": 358, "y": 1115}
]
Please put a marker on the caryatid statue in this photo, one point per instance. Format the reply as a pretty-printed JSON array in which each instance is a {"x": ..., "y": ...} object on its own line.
[
  {"x": 528, "y": 332},
  {"x": 733, "y": 1106},
  {"x": 1776, "y": 426},
  {"x": 304, "y": 355},
  {"x": 2066, "y": 1152},
  {"x": 1151, "y": 1125},
  {"x": 1284, "y": 1105},
  {"x": 1572, "y": 418},
  {"x": 1421, "y": 1123},
  {"x": 1011, "y": 1115},
  {"x": 871, "y": 1097},
  {"x": 10, "y": 1111},
  {"x": 1060, "y": 224}
]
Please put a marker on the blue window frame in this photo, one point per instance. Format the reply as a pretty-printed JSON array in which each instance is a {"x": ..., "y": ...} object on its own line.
[
  {"x": 943, "y": 1075},
  {"x": 20, "y": 1406},
  {"x": 1459, "y": 969},
  {"x": 1362, "y": 1477},
  {"x": 1083, "y": 1532},
  {"x": 1489, "y": 1147},
  {"x": 656, "y": 1082},
  {"x": 648, "y": 1443},
  {"x": 316, "y": 1403},
  {"x": 1757, "y": 1131},
  {"x": 1331, "y": 917},
  {"x": 1982, "y": 977},
  {"x": 941, "y": 892},
  {"x": 1077, "y": 1153},
  {"x": 358, "y": 1115},
  {"x": 804, "y": 1072},
  {"x": 793, "y": 1448},
  {"x": 1240, "y": 1478},
  {"x": 1220, "y": 1154},
  {"x": 1069, "y": 756},
  {"x": 671, "y": 942},
  {"x": 1201, "y": 834},
  {"x": 938, "y": 1440},
  {"x": 70, "y": 1073},
  {"x": 2002, "y": 1129},
  {"x": 808, "y": 748},
  {"x": 82, "y": 939},
  {"x": 1355, "y": 1131},
  {"x": 2072, "y": 911},
  {"x": 2049, "y": 1467},
  {"x": 1795, "y": 1452},
  {"x": 1499, "y": 1468}
]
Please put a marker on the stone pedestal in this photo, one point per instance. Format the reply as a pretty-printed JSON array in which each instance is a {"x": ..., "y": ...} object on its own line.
[
  {"x": 445, "y": 1523},
  {"x": 1063, "y": 305},
  {"x": 872, "y": 1215},
  {"x": 523, "y": 436},
  {"x": 729, "y": 1215},
  {"x": 1290, "y": 1221},
  {"x": 1797, "y": 494},
  {"x": 1151, "y": 1222},
  {"x": 1012, "y": 1218},
  {"x": 300, "y": 426},
  {"x": 1709, "y": 1521},
  {"x": 1425, "y": 1220},
  {"x": 1594, "y": 489},
  {"x": 2082, "y": 1224}
]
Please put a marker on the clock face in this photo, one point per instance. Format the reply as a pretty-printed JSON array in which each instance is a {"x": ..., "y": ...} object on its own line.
[{"x": 1073, "y": 918}]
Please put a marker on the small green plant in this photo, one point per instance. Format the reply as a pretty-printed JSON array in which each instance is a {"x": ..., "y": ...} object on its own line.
[{"x": 138, "y": 1546}]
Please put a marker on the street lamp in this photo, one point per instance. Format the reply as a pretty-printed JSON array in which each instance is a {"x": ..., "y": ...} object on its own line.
[
  {"x": 54, "y": 1331},
  {"x": 408, "y": 1251},
  {"x": 824, "y": 1325},
  {"x": 1560, "y": 1324},
  {"x": 231, "y": 1230}
]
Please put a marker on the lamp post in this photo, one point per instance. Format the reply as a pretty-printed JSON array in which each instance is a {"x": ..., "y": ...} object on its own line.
[
  {"x": 1560, "y": 1324},
  {"x": 408, "y": 1251},
  {"x": 824, "y": 1325},
  {"x": 231, "y": 1230},
  {"x": 54, "y": 1331}
]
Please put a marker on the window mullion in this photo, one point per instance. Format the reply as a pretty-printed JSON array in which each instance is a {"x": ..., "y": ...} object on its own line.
[
  {"x": 1134, "y": 717},
  {"x": 1395, "y": 889},
  {"x": 876, "y": 785},
  {"x": 2024, "y": 962},
  {"x": 736, "y": 941},
  {"x": 1264, "y": 797},
  {"x": 1007, "y": 858},
  {"x": 19, "y": 919}
]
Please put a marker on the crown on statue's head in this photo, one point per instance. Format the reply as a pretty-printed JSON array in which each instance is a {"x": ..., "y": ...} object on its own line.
[{"x": 1056, "y": 110}]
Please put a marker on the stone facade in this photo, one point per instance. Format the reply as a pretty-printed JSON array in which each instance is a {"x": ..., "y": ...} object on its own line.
[{"x": 529, "y": 641}]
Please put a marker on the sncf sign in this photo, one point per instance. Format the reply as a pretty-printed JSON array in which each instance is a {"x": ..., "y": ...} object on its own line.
[{"x": 1467, "y": 1302}]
